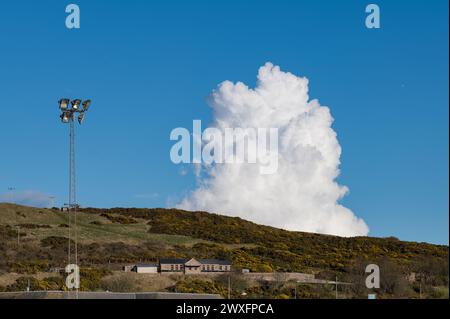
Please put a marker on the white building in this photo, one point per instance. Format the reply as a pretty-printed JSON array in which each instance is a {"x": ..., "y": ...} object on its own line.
[
  {"x": 128, "y": 268},
  {"x": 146, "y": 268}
]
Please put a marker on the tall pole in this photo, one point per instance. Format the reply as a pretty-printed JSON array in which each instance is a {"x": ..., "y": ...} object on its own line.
[
  {"x": 73, "y": 193},
  {"x": 68, "y": 115},
  {"x": 336, "y": 287},
  {"x": 11, "y": 190},
  {"x": 69, "y": 208},
  {"x": 11, "y": 194},
  {"x": 420, "y": 289},
  {"x": 229, "y": 287},
  {"x": 72, "y": 185}
]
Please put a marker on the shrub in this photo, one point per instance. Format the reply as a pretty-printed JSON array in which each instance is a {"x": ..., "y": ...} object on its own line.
[
  {"x": 6, "y": 232},
  {"x": 28, "y": 267},
  {"x": 22, "y": 283},
  {"x": 56, "y": 242},
  {"x": 34, "y": 284},
  {"x": 123, "y": 283},
  {"x": 199, "y": 286},
  {"x": 33, "y": 226},
  {"x": 90, "y": 278},
  {"x": 119, "y": 219}
]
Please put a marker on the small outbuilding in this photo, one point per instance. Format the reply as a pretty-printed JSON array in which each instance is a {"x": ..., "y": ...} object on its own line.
[
  {"x": 128, "y": 268},
  {"x": 146, "y": 268}
]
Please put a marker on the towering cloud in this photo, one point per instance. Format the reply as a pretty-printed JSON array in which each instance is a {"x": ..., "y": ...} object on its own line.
[{"x": 303, "y": 194}]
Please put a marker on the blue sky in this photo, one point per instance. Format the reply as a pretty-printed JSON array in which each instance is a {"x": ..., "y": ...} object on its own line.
[{"x": 148, "y": 67}]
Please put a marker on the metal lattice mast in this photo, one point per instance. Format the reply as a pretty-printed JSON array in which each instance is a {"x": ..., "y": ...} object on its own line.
[
  {"x": 72, "y": 189},
  {"x": 72, "y": 180},
  {"x": 68, "y": 116}
]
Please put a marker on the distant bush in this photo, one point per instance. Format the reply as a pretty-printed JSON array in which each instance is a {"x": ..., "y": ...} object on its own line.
[
  {"x": 123, "y": 283},
  {"x": 28, "y": 267},
  {"x": 91, "y": 278},
  {"x": 21, "y": 214},
  {"x": 56, "y": 283},
  {"x": 119, "y": 219},
  {"x": 7, "y": 232},
  {"x": 392, "y": 238},
  {"x": 23, "y": 283},
  {"x": 199, "y": 286},
  {"x": 264, "y": 268},
  {"x": 56, "y": 242},
  {"x": 34, "y": 284},
  {"x": 33, "y": 226}
]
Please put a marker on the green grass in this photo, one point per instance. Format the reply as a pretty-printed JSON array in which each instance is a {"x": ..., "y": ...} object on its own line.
[{"x": 14, "y": 215}]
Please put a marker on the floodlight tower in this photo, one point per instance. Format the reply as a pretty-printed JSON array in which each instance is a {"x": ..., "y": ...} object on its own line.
[{"x": 68, "y": 115}]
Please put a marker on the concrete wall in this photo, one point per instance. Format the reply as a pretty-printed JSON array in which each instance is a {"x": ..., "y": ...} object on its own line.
[
  {"x": 192, "y": 270},
  {"x": 147, "y": 270},
  {"x": 273, "y": 276},
  {"x": 128, "y": 268}
]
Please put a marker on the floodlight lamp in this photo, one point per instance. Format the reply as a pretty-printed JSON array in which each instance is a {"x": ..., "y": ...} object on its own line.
[
  {"x": 63, "y": 104},
  {"x": 81, "y": 118},
  {"x": 76, "y": 104},
  {"x": 65, "y": 117},
  {"x": 86, "y": 105}
]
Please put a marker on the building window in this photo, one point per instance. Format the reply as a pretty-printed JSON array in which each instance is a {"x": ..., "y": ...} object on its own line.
[
  {"x": 171, "y": 267},
  {"x": 220, "y": 267}
]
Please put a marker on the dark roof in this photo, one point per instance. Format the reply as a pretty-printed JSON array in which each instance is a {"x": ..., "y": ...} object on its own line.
[
  {"x": 146, "y": 265},
  {"x": 172, "y": 261},
  {"x": 215, "y": 261}
]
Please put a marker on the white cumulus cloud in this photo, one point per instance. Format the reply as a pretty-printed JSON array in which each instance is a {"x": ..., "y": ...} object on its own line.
[{"x": 303, "y": 194}]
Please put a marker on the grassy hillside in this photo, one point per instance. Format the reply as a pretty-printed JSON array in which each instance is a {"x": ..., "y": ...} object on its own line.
[{"x": 110, "y": 238}]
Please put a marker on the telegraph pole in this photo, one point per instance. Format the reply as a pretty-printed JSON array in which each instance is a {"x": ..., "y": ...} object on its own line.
[
  {"x": 11, "y": 190},
  {"x": 229, "y": 287},
  {"x": 420, "y": 289},
  {"x": 336, "y": 287}
]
